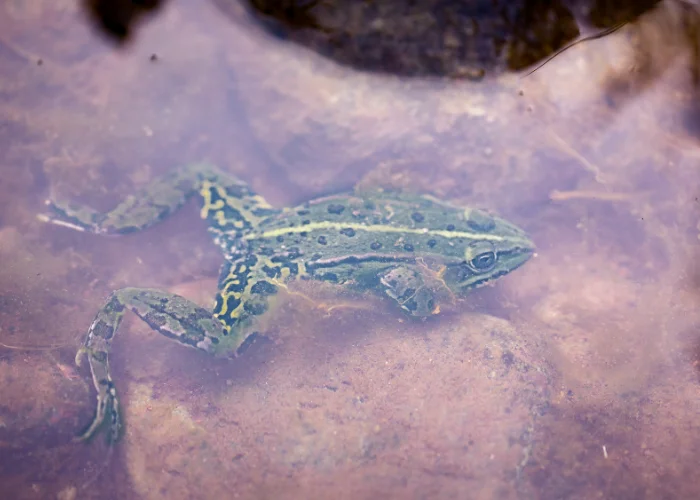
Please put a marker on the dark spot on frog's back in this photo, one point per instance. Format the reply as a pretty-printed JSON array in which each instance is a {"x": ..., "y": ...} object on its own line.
[
  {"x": 408, "y": 247},
  {"x": 348, "y": 231},
  {"x": 480, "y": 221},
  {"x": 432, "y": 243},
  {"x": 291, "y": 254},
  {"x": 376, "y": 245},
  {"x": 322, "y": 240},
  {"x": 335, "y": 208},
  {"x": 417, "y": 217}
]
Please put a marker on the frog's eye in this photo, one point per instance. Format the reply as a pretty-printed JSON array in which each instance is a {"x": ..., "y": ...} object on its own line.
[
  {"x": 480, "y": 256},
  {"x": 483, "y": 262}
]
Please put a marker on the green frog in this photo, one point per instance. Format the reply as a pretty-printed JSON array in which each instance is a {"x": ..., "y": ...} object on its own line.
[{"x": 394, "y": 243}]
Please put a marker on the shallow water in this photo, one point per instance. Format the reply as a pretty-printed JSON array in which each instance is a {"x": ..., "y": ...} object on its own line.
[{"x": 574, "y": 377}]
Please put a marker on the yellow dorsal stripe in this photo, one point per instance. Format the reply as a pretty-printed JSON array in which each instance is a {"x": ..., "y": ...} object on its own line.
[{"x": 327, "y": 225}]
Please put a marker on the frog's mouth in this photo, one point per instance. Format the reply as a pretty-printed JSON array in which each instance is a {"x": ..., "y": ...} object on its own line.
[{"x": 516, "y": 257}]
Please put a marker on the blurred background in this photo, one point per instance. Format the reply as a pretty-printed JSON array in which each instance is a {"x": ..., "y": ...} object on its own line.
[{"x": 576, "y": 377}]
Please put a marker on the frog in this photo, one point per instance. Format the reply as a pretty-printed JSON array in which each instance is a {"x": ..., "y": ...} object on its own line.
[{"x": 389, "y": 242}]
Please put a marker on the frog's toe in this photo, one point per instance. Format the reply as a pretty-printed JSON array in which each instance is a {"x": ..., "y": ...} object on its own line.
[
  {"x": 68, "y": 215},
  {"x": 107, "y": 414}
]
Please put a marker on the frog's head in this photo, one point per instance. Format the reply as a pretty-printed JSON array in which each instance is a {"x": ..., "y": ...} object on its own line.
[{"x": 492, "y": 251}]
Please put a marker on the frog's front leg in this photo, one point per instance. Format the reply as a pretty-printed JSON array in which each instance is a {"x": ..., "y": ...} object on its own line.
[
  {"x": 169, "y": 314},
  {"x": 406, "y": 286}
]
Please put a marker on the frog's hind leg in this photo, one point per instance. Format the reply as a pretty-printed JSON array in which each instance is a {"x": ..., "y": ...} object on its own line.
[
  {"x": 223, "y": 197},
  {"x": 171, "y": 315},
  {"x": 149, "y": 205}
]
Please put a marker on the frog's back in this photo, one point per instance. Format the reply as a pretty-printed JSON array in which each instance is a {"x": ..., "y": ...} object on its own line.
[{"x": 376, "y": 225}]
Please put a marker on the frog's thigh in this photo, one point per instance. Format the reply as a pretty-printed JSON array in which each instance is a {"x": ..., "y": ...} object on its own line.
[
  {"x": 406, "y": 286},
  {"x": 173, "y": 316}
]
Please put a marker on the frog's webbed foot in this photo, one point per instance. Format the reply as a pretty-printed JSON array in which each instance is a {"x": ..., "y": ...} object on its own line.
[
  {"x": 107, "y": 407},
  {"x": 406, "y": 286},
  {"x": 71, "y": 215},
  {"x": 171, "y": 315}
]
